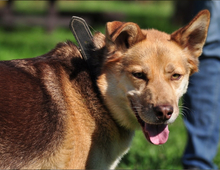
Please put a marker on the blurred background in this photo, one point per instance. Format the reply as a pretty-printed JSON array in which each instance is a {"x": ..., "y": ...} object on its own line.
[{"x": 32, "y": 28}]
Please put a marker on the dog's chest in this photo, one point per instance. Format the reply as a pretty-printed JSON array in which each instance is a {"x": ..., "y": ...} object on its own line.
[{"x": 107, "y": 155}]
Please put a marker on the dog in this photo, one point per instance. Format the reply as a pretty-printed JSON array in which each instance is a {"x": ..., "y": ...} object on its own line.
[{"x": 56, "y": 113}]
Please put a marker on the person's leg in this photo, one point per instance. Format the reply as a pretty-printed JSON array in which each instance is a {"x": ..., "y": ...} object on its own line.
[
  {"x": 203, "y": 97},
  {"x": 202, "y": 122}
]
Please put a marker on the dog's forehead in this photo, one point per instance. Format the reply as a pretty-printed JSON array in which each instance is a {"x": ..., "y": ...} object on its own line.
[
  {"x": 156, "y": 47},
  {"x": 157, "y": 50}
]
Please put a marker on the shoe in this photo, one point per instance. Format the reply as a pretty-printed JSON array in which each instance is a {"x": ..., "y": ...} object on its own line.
[{"x": 192, "y": 167}]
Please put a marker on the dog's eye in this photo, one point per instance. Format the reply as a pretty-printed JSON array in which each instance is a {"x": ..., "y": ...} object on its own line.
[
  {"x": 139, "y": 75},
  {"x": 175, "y": 77}
]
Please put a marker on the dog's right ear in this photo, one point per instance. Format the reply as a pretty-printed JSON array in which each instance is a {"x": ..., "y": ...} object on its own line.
[
  {"x": 123, "y": 35},
  {"x": 192, "y": 37}
]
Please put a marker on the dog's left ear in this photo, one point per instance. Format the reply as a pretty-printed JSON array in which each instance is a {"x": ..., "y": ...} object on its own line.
[
  {"x": 123, "y": 35},
  {"x": 192, "y": 37}
]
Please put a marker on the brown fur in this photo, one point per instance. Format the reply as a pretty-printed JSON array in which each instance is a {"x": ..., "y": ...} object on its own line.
[{"x": 55, "y": 113}]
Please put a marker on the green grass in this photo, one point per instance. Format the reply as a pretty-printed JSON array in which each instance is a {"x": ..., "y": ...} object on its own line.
[
  {"x": 32, "y": 42},
  {"x": 25, "y": 42}
]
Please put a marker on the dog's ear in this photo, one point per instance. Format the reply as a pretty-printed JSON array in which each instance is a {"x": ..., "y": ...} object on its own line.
[
  {"x": 192, "y": 37},
  {"x": 123, "y": 35}
]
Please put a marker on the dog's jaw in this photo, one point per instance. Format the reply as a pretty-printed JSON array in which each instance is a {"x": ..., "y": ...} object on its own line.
[
  {"x": 156, "y": 134},
  {"x": 114, "y": 100}
]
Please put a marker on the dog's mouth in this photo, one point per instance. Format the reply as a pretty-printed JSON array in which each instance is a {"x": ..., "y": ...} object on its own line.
[{"x": 156, "y": 134}]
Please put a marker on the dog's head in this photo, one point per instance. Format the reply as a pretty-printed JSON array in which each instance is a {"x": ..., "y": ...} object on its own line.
[{"x": 145, "y": 72}]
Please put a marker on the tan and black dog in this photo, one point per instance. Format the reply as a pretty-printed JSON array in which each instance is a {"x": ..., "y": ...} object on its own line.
[{"x": 55, "y": 113}]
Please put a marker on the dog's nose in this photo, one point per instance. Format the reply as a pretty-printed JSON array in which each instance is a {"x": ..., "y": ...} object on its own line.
[{"x": 163, "y": 112}]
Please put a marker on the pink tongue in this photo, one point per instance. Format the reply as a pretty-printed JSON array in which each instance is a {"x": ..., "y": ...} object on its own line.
[{"x": 156, "y": 134}]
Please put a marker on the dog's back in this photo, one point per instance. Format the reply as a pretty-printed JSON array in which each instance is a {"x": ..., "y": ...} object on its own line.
[{"x": 31, "y": 117}]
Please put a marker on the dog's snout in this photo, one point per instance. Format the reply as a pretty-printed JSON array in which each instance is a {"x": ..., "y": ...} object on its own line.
[{"x": 163, "y": 112}]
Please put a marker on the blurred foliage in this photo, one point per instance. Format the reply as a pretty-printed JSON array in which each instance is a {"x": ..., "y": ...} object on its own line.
[{"x": 147, "y": 14}]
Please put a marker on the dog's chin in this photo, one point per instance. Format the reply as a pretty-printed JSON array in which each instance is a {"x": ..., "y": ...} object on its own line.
[{"x": 156, "y": 134}]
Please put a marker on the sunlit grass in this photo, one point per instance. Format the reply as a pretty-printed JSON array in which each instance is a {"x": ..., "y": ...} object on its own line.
[{"x": 32, "y": 42}]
